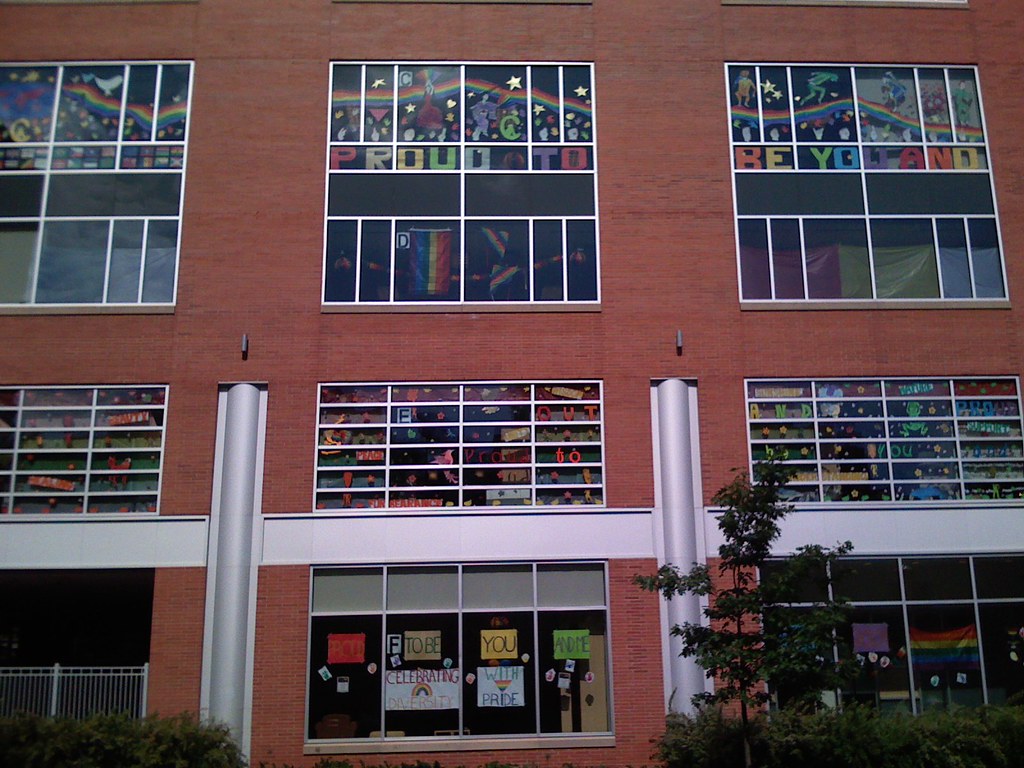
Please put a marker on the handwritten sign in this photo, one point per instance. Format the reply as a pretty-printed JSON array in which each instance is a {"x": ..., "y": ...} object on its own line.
[
  {"x": 346, "y": 648},
  {"x": 499, "y": 643},
  {"x": 423, "y": 645},
  {"x": 418, "y": 689},
  {"x": 572, "y": 643},
  {"x": 500, "y": 687}
]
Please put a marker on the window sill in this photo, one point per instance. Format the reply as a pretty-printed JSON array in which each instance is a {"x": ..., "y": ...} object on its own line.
[
  {"x": 377, "y": 746},
  {"x": 875, "y": 304},
  {"x": 481, "y": 308},
  {"x": 85, "y": 309}
]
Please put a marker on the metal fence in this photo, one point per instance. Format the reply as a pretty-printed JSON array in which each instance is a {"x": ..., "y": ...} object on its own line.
[{"x": 74, "y": 692}]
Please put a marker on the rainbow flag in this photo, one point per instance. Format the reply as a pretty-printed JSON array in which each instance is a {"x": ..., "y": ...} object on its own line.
[
  {"x": 430, "y": 261},
  {"x": 951, "y": 648}
]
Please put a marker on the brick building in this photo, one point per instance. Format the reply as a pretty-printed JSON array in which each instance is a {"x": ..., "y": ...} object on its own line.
[{"x": 360, "y": 353}]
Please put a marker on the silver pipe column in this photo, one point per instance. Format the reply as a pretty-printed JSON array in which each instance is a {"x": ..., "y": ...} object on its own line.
[
  {"x": 234, "y": 558},
  {"x": 679, "y": 521}
]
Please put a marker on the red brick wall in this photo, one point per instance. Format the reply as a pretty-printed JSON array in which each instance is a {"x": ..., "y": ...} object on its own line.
[
  {"x": 280, "y": 678},
  {"x": 176, "y": 640},
  {"x": 253, "y": 220}
]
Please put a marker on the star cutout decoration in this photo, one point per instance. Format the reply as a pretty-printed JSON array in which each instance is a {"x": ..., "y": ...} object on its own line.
[
  {"x": 537, "y": 109},
  {"x": 514, "y": 82},
  {"x": 581, "y": 91},
  {"x": 378, "y": 83},
  {"x": 410, "y": 108}
]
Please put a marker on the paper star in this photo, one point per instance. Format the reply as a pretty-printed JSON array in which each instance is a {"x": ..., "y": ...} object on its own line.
[
  {"x": 514, "y": 82},
  {"x": 378, "y": 82},
  {"x": 451, "y": 103},
  {"x": 410, "y": 108},
  {"x": 450, "y": 117},
  {"x": 537, "y": 109},
  {"x": 581, "y": 91}
]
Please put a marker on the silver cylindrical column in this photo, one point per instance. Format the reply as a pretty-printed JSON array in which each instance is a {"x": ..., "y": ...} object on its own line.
[
  {"x": 234, "y": 558},
  {"x": 679, "y": 520}
]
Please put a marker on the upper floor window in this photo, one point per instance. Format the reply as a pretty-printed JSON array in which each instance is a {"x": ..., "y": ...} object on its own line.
[
  {"x": 81, "y": 449},
  {"x": 476, "y": 444},
  {"x": 92, "y": 164},
  {"x": 451, "y": 183},
  {"x": 862, "y": 183},
  {"x": 905, "y": 440}
]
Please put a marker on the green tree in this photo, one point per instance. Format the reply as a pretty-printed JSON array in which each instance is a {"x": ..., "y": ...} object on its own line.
[{"x": 752, "y": 633}]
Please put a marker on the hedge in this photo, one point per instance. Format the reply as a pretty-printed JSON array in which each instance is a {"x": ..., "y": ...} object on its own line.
[
  {"x": 116, "y": 741},
  {"x": 986, "y": 737}
]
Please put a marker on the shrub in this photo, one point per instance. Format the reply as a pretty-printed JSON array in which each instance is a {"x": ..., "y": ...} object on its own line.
[
  {"x": 987, "y": 737},
  {"x": 116, "y": 741}
]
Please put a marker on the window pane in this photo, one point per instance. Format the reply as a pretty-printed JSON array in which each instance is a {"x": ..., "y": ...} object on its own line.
[
  {"x": 581, "y": 267},
  {"x": 836, "y": 256},
  {"x": 754, "y": 268},
  {"x": 354, "y": 589},
  {"x": 988, "y": 274},
  {"x": 956, "y": 272},
  {"x": 559, "y": 585},
  {"x": 340, "y": 268},
  {"x": 125, "y": 262},
  {"x": 887, "y": 100},
  {"x": 789, "y": 273},
  {"x": 73, "y": 262},
  {"x": 573, "y": 650},
  {"x": 867, "y": 580},
  {"x": 937, "y": 578},
  {"x": 422, "y": 649},
  {"x": 876, "y": 640},
  {"x": 945, "y": 655},
  {"x": 90, "y": 103},
  {"x": 498, "y": 650},
  {"x": 999, "y": 576},
  {"x": 904, "y": 254},
  {"x": 1002, "y": 637},
  {"x": 500, "y": 586},
  {"x": 344, "y": 676},
  {"x": 497, "y": 261},
  {"x": 17, "y": 255},
  {"x": 161, "y": 248},
  {"x": 422, "y": 588}
]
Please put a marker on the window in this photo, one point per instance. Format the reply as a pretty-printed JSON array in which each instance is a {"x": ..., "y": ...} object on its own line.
[
  {"x": 862, "y": 183},
  {"x": 477, "y": 444},
  {"x": 92, "y": 163},
  {"x": 904, "y": 440},
  {"x": 81, "y": 449},
  {"x": 453, "y": 183},
  {"x": 458, "y": 651},
  {"x": 925, "y": 634}
]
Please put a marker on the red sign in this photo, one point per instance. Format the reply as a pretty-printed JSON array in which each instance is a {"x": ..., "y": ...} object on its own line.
[{"x": 346, "y": 649}]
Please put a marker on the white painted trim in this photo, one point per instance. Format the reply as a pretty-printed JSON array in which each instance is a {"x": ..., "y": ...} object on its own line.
[
  {"x": 346, "y": 539},
  {"x": 168, "y": 541},
  {"x": 893, "y": 531}
]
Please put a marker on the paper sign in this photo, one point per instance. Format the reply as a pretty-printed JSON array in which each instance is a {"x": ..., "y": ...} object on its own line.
[
  {"x": 870, "y": 637},
  {"x": 417, "y": 689},
  {"x": 499, "y": 643},
  {"x": 500, "y": 687},
  {"x": 325, "y": 674},
  {"x": 424, "y": 645},
  {"x": 342, "y": 685},
  {"x": 570, "y": 665},
  {"x": 564, "y": 679},
  {"x": 572, "y": 643},
  {"x": 346, "y": 648}
]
